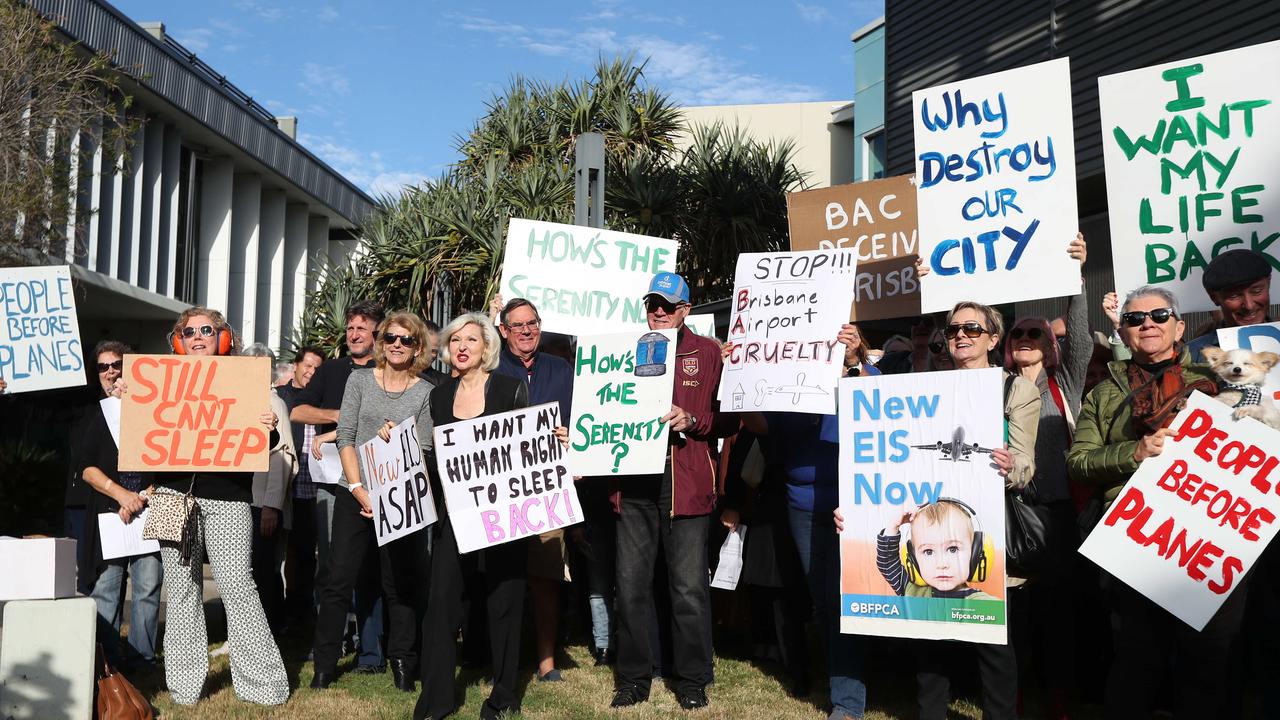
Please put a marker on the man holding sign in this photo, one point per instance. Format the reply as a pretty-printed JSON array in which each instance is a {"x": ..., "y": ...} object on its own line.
[
  {"x": 671, "y": 511},
  {"x": 1123, "y": 421}
]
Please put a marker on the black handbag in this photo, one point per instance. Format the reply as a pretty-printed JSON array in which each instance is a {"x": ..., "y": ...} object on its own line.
[{"x": 1026, "y": 535}]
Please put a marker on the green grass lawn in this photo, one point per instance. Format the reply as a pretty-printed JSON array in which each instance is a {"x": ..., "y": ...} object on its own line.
[{"x": 742, "y": 690}]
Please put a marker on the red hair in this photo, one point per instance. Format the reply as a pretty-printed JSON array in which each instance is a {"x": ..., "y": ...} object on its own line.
[{"x": 1048, "y": 343}]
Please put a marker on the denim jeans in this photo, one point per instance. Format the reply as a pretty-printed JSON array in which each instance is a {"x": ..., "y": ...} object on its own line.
[
  {"x": 108, "y": 594},
  {"x": 819, "y": 549}
]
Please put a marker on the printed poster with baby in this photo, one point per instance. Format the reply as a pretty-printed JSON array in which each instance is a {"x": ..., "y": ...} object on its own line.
[{"x": 922, "y": 552}]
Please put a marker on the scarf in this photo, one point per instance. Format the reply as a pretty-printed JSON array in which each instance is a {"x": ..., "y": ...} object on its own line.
[
  {"x": 1249, "y": 394},
  {"x": 1160, "y": 391}
]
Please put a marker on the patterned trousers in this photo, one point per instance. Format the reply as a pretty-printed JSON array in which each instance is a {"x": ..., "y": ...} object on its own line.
[{"x": 257, "y": 671}]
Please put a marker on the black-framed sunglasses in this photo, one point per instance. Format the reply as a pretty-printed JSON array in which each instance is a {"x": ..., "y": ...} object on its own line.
[
  {"x": 970, "y": 330},
  {"x": 117, "y": 365},
  {"x": 1160, "y": 316},
  {"x": 405, "y": 340},
  {"x": 190, "y": 332},
  {"x": 1033, "y": 333},
  {"x": 937, "y": 347},
  {"x": 654, "y": 302}
]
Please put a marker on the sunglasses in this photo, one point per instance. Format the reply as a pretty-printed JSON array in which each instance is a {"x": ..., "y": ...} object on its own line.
[
  {"x": 937, "y": 347},
  {"x": 1032, "y": 333},
  {"x": 190, "y": 332},
  {"x": 970, "y": 330},
  {"x": 653, "y": 303},
  {"x": 117, "y": 365},
  {"x": 1135, "y": 318},
  {"x": 405, "y": 340}
]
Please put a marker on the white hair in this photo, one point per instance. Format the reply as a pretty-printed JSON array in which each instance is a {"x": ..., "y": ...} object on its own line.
[
  {"x": 492, "y": 343},
  {"x": 1149, "y": 290}
]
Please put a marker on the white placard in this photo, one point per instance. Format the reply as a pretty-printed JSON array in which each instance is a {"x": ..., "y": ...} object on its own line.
[
  {"x": 922, "y": 552},
  {"x": 111, "y": 413},
  {"x": 506, "y": 477},
  {"x": 120, "y": 539},
  {"x": 1258, "y": 338},
  {"x": 396, "y": 479},
  {"x": 583, "y": 280},
  {"x": 729, "y": 569},
  {"x": 39, "y": 336},
  {"x": 787, "y": 310},
  {"x": 1191, "y": 149},
  {"x": 996, "y": 187},
  {"x": 622, "y": 388},
  {"x": 1192, "y": 520},
  {"x": 703, "y": 323},
  {"x": 328, "y": 469}
]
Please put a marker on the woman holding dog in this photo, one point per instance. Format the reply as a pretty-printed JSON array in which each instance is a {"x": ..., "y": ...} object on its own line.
[{"x": 1123, "y": 421}]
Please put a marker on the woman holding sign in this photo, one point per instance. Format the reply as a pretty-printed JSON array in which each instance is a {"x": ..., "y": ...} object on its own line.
[
  {"x": 1123, "y": 421},
  {"x": 226, "y": 531},
  {"x": 495, "y": 575},
  {"x": 372, "y": 404}
]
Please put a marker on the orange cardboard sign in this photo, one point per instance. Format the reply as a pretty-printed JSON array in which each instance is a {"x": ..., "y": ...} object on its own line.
[
  {"x": 877, "y": 218},
  {"x": 192, "y": 413}
]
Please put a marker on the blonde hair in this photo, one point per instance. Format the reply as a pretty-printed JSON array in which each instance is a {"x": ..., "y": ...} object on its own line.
[
  {"x": 217, "y": 319},
  {"x": 418, "y": 329},
  {"x": 492, "y": 343},
  {"x": 941, "y": 513},
  {"x": 994, "y": 320}
]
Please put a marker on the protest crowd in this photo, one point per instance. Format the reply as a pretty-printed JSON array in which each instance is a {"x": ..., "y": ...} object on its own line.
[{"x": 424, "y": 497}]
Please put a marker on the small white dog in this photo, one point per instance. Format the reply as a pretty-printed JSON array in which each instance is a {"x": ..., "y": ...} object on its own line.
[{"x": 1242, "y": 374}]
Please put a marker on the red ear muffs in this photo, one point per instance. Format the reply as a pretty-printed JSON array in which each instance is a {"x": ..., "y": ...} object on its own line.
[{"x": 224, "y": 343}]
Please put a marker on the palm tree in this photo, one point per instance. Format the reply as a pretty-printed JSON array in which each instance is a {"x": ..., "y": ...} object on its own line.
[{"x": 438, "y": 248}]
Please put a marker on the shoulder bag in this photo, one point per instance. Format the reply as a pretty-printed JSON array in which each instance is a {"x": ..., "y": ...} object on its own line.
[
  {"x": 1026, "y": 524},
  {"x": 117, "y": 698}
]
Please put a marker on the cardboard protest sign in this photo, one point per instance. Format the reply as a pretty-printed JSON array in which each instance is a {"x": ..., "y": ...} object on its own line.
[
  {"x": 396, "y": 479},
  {"x": 40, "y": 342},
  {"x": 996, "y": 187},
  {"x": 1192, "y": 520},
  {"x": 922, "y": 552},
  {"x": 877, "y": 219},
  {"x": 506, "y": 477},
  {"x": 1257, "y": 338},
  {"x": 195, "y": 413},
  {"x": 787, "y": 310},
  {"x": 622, "y": 387},
  {"x": 583, "y": 280},
  {"x": 1191, "y": 149}
]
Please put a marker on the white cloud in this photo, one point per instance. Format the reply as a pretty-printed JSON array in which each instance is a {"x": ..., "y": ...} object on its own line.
[
  {"x": 813, "y": 13},
  {"x": 323, "y": 80},
  {"x": 364, "y": 168},
  {"x": 693, "y": 72},
  {"x": 264, "y": 10},
  {"x": 328, "y": 14},
  {"x": 200, "y": 39}
]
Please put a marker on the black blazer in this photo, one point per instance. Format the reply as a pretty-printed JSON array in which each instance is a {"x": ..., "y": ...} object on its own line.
[{"x": 501, "y": 394}]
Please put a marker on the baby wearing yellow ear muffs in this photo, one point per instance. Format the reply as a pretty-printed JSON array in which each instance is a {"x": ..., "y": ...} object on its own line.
[{"x": 945, "y": 551}]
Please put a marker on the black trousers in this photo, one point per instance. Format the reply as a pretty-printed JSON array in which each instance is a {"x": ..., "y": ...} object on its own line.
[
  {"x": 456, "y": 581},
  {"x": 1149, "y": 641},
  {"x": 402, "y": 567},
  {"x": 997, "y": 668},
  {"x": 643, "y": 527},
  {"x": 266, "y": 572},
  {"x": 300, "y": 592}
]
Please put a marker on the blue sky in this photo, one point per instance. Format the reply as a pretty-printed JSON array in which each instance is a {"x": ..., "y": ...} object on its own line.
[{"x": 382, "y": 88}]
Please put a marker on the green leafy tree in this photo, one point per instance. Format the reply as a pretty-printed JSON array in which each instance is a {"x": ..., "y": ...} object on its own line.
[{"x": 440, "y": 246}]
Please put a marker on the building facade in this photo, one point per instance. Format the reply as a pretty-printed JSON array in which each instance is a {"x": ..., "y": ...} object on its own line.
[{"x": 217, "y": 204}]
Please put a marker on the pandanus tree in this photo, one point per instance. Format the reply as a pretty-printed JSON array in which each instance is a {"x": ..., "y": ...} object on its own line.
[{"x": 437, "y": 248}]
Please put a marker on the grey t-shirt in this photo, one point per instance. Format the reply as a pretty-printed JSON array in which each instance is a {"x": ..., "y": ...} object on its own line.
[{"x": 366, "y": 407}]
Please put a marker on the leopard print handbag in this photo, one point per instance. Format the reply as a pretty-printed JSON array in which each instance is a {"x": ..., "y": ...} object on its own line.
[{"x": 169, "y": 516}]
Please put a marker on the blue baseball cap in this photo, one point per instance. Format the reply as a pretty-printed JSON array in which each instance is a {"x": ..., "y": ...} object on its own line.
[{"x": 670, "y": 287}]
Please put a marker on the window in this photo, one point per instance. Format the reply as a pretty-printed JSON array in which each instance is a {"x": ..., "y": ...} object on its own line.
[{"x": 873, "y": 155}]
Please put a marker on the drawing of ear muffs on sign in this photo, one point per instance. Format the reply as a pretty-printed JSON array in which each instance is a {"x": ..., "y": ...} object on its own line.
[{"x": 651, "y": 355}]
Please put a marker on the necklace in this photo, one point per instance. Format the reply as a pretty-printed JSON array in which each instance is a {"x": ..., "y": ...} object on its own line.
[{"x": 390, "y": 395}]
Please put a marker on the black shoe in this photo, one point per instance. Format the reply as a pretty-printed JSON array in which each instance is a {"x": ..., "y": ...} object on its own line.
[
  {"x": 321, "y": 681},
  {"x": 401, "y": 675},
  {"x": 370, "y": 669},
  {"x": 603, "y": 656},
  {"x": 692, "y": 698},
  {"x": 628, "y": 695}
]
